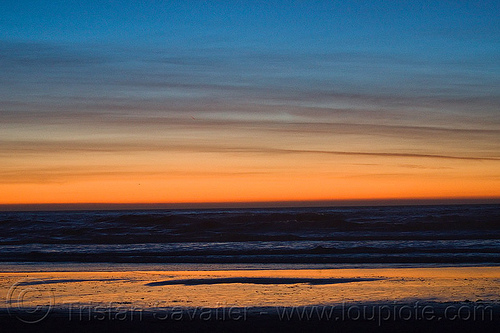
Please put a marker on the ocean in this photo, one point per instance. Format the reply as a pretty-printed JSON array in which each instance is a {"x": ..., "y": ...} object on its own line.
[{"x": 280, "y": 237}]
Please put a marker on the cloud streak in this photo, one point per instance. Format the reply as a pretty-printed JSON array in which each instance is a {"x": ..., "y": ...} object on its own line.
[
  {"x": 58, "y": 147},
  {"x": 65, "y": 71}
]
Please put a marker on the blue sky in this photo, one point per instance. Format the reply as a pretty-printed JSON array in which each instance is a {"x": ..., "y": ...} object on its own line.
[{"x": 419, "y": 47}]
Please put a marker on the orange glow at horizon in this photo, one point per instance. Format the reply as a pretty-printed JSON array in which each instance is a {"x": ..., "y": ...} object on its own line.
[
  {"x": 173, "y": 161},
  {"x": 247, "y": 188}
]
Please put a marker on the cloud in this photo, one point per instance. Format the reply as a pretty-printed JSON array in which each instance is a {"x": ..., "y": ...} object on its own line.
[
  {"x": 389, "y": 154},
  {"x": 96, "y": 99},
  {"x": 47, "y": 56},
  {"x": 59, "y": 74},
  {"x": 57, "y": 174},
  {"x": 75, "y": 146}
]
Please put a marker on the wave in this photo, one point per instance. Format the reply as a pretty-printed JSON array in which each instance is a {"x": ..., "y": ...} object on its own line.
[
  {"x": 413, "y": 234},
  {"x": 123, "y": 227}
]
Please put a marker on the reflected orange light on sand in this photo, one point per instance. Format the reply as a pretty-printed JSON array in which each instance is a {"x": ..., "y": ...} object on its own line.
[{"x": 146, "y": 289}]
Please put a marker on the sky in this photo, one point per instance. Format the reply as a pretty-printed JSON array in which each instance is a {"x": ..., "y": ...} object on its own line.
[{"x": 248, "y": 101}]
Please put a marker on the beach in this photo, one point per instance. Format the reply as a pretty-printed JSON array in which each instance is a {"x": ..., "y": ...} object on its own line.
[{"x": 448, "y": 298}]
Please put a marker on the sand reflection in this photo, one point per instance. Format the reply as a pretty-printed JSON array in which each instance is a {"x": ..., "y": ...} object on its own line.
[{"x": 151, "y": 289}]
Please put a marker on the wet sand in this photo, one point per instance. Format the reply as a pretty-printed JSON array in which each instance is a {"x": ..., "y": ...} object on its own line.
[{"x": 320, "y": 299}]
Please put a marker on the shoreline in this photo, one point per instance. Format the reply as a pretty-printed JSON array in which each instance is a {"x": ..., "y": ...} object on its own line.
[
  {"x": 48, "y": 267},
  {"x": 413, "y": 299}
]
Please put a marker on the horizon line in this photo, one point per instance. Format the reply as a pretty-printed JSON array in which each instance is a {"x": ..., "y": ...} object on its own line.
[{"x": 248, "y": 204}]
